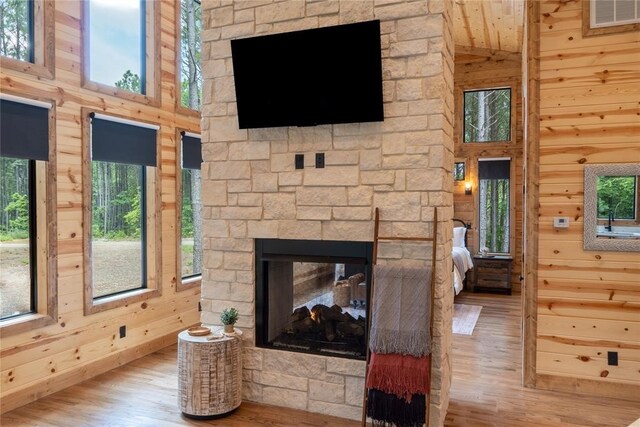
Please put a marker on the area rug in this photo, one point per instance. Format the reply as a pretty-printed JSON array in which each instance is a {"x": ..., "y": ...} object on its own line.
[{"x": 465, "y": 318}]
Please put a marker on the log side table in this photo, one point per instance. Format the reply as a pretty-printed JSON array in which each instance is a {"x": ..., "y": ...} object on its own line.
[{"x": 209, "y": 375}]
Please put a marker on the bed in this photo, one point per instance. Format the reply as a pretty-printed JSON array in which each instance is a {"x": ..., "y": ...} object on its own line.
[{"x": 462, "y": 261}]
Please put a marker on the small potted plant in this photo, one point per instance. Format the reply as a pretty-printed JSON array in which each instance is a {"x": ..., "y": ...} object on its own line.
[{"x": 229, "y": 317}]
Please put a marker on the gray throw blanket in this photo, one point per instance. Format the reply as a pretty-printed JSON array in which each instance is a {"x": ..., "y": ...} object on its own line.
[{"x": 401, "y": 310}]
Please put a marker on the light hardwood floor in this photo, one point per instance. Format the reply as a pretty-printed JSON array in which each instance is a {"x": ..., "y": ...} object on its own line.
[
  {"x": 486, "y": 390},
  {"x": 487, "y": 373}
]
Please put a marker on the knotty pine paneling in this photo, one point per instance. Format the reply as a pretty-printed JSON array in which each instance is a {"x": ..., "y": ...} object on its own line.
[
  {"x": 481, "y": 69},
  {"x": 77, "y": 347},
  {"x": 588, "y": 301}
]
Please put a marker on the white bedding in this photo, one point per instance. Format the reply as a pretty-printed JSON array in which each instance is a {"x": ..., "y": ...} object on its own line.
[{"x": 462, "y": 263}]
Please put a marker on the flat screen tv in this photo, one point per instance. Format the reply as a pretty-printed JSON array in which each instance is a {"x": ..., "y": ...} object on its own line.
[{"x": 310, "y": 77}]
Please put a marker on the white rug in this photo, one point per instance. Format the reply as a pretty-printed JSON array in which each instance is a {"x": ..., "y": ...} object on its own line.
[{"x": 465, "y": 318}]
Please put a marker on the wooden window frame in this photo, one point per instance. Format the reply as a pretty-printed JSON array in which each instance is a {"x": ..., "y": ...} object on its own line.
[
  {"x": 178, "y": 82},
  {"x": 512, "y": 119},
  {"x": 43, "y": 65},
  {"x": 46, "y": 241},
  {"x": 153, "y": 229},
  {"x": 196, "y": 281},
  {"x": 153, "y": 88},
  {"x": 588, "y": 31}
]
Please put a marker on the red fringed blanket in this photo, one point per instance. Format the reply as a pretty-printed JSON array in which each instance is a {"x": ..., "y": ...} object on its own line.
[{"x": 400, "y": 375}]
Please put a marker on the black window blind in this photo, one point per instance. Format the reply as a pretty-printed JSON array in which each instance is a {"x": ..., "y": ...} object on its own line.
[
  {"x": 24, "y": 131},
  {"x": 122, "y": 143},
  {"x": 191, "y": 152}
]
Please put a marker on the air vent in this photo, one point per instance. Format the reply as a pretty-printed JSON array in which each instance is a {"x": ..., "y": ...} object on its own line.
[{"x": 606, "y": 13}]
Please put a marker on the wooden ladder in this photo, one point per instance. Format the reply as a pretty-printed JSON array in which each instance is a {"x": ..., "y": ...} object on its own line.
[{"x": 376, "y": 239}]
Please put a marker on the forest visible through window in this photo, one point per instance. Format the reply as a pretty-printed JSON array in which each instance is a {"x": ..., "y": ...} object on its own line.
[
  {"x": 16, "y": 19},
  {"x": 494, "y": 205},
  {"x": 190, "y": 48},
  {"x": 487, "y": 115},
  {"x": 117, "y": 227},
  {"x": 15, "y": 237},
  {"x": 617, "y": 197},
  {"x": 190, "y": 97},
  {"x": 191, "y": 227}
]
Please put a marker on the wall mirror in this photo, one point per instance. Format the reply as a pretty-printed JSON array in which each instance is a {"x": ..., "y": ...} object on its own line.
[{"x": 612, "y": 207}]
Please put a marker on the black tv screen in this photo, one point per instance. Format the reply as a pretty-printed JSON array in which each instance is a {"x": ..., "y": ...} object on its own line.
[{"x": 310, "y": 77}]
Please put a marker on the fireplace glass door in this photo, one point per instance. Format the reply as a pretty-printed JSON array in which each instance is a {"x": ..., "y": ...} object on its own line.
[{"x": 313, "y": 298}]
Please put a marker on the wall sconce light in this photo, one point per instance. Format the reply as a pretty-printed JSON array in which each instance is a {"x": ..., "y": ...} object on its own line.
[{"x": 467, "y": 188}]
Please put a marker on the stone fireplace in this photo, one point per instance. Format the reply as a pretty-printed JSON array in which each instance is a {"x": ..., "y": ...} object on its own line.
[{"x": 252, "y": 192}]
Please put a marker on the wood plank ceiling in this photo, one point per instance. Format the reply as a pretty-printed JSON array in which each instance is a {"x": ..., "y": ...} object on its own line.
[{"x": 489, "y": 24}]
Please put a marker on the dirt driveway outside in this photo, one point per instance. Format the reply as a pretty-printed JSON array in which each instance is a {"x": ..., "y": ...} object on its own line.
[{"x": 117, "y": 267}]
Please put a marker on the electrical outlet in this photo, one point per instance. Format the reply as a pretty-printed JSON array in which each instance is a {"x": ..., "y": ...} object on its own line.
[
  {"x": 319, "y": 160},
  {"x": 123, "y": 331},
  {"x": 299, "y": 161},
  {"x": 612, "y": 358}
]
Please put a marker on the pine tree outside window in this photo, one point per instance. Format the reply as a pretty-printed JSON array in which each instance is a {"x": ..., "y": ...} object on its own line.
[
  {"x": 26, "y": 169},
  {"x": 487, "y": 115},
  {"x": 190, "y": 72},
  {"x": 17, "y": 237},
  {"x": 122, "y": 240},
  {"x": 494, "y": 204},
  {"x": 27, "y": 37},
  {"x": 17, "y": 37}
]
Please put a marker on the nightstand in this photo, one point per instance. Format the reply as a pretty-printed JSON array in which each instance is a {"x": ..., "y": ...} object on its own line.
[{"x": 492, "y": 273}]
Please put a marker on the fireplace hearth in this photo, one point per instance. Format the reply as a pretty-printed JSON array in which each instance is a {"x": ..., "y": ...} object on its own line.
[{"x": 311, "y": 296}]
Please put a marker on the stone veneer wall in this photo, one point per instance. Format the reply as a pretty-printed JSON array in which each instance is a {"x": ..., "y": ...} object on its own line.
[{"x": 402, "y": 165}]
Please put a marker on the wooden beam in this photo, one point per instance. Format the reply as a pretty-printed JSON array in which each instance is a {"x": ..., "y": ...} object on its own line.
[
  {"x": 488, "y": 53},
  {"x": 532, "y": 168}
]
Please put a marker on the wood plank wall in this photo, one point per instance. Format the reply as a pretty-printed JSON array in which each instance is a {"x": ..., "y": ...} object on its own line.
[
  {"x": 477, "y": 69},
  {"x": 588, "y": 301},
  {"x": 77, "y": 347}
]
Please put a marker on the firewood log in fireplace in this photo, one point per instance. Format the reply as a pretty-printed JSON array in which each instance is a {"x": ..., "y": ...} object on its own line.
[{"x": 329, "y": 322}]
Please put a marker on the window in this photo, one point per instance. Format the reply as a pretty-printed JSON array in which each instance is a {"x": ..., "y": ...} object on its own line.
[
  {"x": 617, "y": 197},
  {"x": 17, "y": 237},
  {"x": 487, "y": 115},
  {"x": 27, "y": 278},
  {"x": 606, "y": 13},
  {"x": 122, "y": 231},
  {"x": 494, "y": 204},
  {"x": 190, "y": 73},
  {"x": 191, "y": 205},
  {"x": 27, "y": 36},
  {"x": 458, "y": 171},
  {"x": 17, "y": 29},
  {"x": 116, "y": 43},
  {"x": 121, "y": 48},
  {"x": 610, "y": 16}
]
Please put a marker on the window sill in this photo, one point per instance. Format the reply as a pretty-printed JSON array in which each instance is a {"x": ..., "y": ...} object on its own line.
[
  {"x": 185, "y": 111},
  {"x": 121, "y": 93},
  {"x": 189, "y": 283},
  {"x": 488, "y": 142},
  {"x": 120, "y": 300},
  {"x": 36, "y": 70},
  {"x": 24, "y": 323}
]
